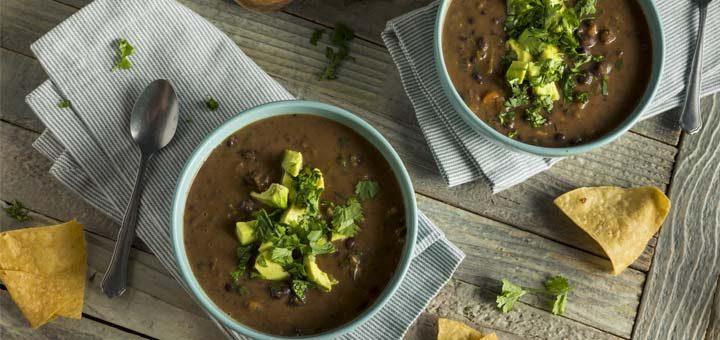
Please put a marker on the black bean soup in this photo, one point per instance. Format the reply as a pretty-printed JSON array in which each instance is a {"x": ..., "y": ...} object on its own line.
[
  {"x": 572, "y": 92},
  {"x": 358, "y": 268}
]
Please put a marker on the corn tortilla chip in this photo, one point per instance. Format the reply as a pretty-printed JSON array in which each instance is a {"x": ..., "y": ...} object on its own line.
[
  {"x": 456, "y": 330},
  {"x": 620, "y": 220},
  {"x": 43, "y": 269}
]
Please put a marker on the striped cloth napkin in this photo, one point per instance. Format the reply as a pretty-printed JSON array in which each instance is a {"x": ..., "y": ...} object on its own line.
[
  {"x": 463, "y": 155},
  {"x": 95, "y": 157}
]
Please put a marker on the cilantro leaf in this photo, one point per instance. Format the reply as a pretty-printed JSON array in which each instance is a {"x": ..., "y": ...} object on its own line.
[
  {"x": 560, "y": 287},
  {"x": 212, "y": 104},
  {"x": 317, "y": 34},
  {"x": 585, "y": 8},
  {"x": 339, "y": 38},
  {"x": 365, "y": 190},
  {"x": 17, "y": 211},
  {"x": 64, "y": 104},
  {"x": 281, "y": 256},
  {"x": 300, "y": 287},
  {"x": 125, "y": 50},
  {"x": 243, "y": 254},
  {"x": 510, "y": 294},
  {"x": 307, "y": 190},
  {"x": 346, "y": 218},
  {"x": 321, "y": 246}
]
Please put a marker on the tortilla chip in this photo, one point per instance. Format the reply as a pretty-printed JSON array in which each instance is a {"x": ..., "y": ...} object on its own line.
[
  {"x": 43, "y": 269},
  {"x": 621, "y": 220},
  {"x": 456, "y": 330}
]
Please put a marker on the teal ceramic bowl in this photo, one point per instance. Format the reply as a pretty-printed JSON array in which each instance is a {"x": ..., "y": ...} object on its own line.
[
  {"x": 658, "y": 58},
  {"x": 201, "y": 153}
]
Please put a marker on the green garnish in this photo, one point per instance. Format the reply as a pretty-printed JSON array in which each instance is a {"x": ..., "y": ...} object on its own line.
[
  {"x": 126, "y": 50},
  {"x": 243, "y": 254},
  {"x": 542, "y": 43},
  {"x": 211, "y": 103},
  {"x": 604, "y": 86},
  {"x": 64, "y": 104},
  {"x": 365, "y": 190},
  {"x": 339, "y": 38},
  {"x": 556, "y": 286},
  {"x": 512, "y": 133},
  {"x": 300, "y": 287},
  {"x": 17, "y": 211},
  {"x": 317, "y": 34},
  {"x": 346, "y": 218}
]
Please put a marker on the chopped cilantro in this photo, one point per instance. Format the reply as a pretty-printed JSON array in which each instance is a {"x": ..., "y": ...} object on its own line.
[
  {"x": 300, "y": 287},
  {"x": 317, "y": 34},
  {"x": 281, "y": 256},
  {"x": 339, "y": 38},
  {"x": 64, "y": 104},
  {"x": 365, "y": 190},
  {"x": 126, "y": 50},
  {"x": 585, "y": 8},
  {"x": 243, "y": 254},
  {"x": 212, "y": 104},
  {"x": 346, "y": 218},
  {"x": 556, "y": 286},
  {"x": 604, "y": 86},
  {"x": 17, "y": 211},
  {"x": 560, "y": 287},
  {"x": 510, "y": 294}
]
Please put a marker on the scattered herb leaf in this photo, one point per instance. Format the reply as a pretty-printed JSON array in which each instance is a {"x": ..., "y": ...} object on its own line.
[
  {"x": 17, "y": 211},
  {"x": 510, "y": 294},
  {"x": 126, "y": 50},
  {"x": 560, "y": 287},
  {"x": 317, "y": 34},
  {"x": 346, "y": 218},
  {"x": 365, "y": 190},
  {"x": 212, "y": 104},
  {"x": 556, "y": 286},
  {"x": 64, "y": 104},
  {"x": 339, "y": 39}
]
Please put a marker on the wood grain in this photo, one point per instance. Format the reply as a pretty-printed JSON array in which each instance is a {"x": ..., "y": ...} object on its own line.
[
  {"x": 681, "y": 283},
  {"x": 713, "y": 331},
  {"x": 13, "y": 326},
  {"x": 371, "y": 88},
  {"x": 19, "y": 74},
  {"x": 154, "y": 304},
  {"x": 495, "y": 251}
]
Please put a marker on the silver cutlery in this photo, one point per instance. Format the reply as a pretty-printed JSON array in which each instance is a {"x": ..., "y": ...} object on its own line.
[{"x": 691, "y": 122}]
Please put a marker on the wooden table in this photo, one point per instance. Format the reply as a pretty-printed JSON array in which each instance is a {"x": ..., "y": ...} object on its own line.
[{"x": 670, "y": 292}]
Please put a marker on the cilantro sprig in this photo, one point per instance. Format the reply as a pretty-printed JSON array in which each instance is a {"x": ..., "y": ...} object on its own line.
[
  {"x": 558, "y": 287},
  {"x": 63, "y": 104},
  {"x": 17, "y": 211},
  {"x": 337, "y": 52},
  {"x": 365, "y": 190}
]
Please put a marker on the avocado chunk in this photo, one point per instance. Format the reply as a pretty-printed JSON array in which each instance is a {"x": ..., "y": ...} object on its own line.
[
  {"x": 245, "y": 232},
  {"x": 551, "y": 52},
  {"x": 268, "y": 269},
  {"x": 317, "y": 276},
  {"x": 276, "y": 196},
  {"x": 320, "y": 183},
  {"x": 337, "y": 237},
  {"x": 265, "y": 246},
  {"x": 516, "y": 72},
  {"x": 522, "y": 53},
  {"x": 292, "y": 162},
  {"x": 547, "y": 90},
  {"x": 293, "y": 215}
]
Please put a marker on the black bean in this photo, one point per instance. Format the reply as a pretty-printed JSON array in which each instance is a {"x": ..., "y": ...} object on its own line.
[
  {"x": 470, "y": 20},
  {"x": 482, "y": 45},
  {"x": 607, "y": 37},
  {"x": 560, "y": 137},
  {"x": 250, "y": 155},
  {"x": 231, "y": 142},
  {"x": 350, "y": 242},
  {"x": 278, "y": 292},
  {"x": 298, "y": 331},
  {"x": 582, "y": 50},
  {"x": 588, "y": 41},
  {"x": 576, "y": 140},
  {"x": 585, "y": 78},
  {"x": 603, "y": 68},
  {"x": 247, "y": 206},
  {"x": 477, "y": 77},
  {"x": 228, "y": 287},
  {"x": 296, "y": 301}
]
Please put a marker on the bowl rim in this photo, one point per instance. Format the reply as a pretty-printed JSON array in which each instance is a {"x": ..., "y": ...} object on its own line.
[
  {"x": 274, "y": 109},
  {"x": 657, "y": 38}
]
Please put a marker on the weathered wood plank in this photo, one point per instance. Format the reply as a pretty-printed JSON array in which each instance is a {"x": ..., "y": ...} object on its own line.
[
  {"x": 279, "y": 43},
  {"x": 18, "y": 75},
  {"x": 463, "y": 301},
  {"x": 679, "y": 293},
  {"x": 153, "y": 304},
  {"x": 25, "y": 177},
  {"x": 496, "y": 251},
  {"x": 24, "y": 21},
  {"x": 713, "y": 331},
  {"x": 13, "y": 326}
]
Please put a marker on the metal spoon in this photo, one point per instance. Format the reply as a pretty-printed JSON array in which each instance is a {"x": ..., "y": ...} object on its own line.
[
  {"x": 153, "y": 121},
  {"x": 691, "y": 122}
]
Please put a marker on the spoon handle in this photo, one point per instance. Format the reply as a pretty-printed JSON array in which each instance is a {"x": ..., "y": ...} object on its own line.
[
  {"x": 115, "y": 279},
  {"x": 691, "y": 122}
]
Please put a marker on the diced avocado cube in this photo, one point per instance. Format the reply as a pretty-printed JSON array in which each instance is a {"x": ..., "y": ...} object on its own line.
[
  {"x": 522, "y": 53},
  {"x": 337, "y": 237},
  {"x": 292, "y": 162},
  {"x": 516, "y": 72},
  {"x": 265, "y": 246},
  {"x": 293, "y": 215},
  {"x": 276, "y": 196},
  {"x": 245, "y": 232},
  {"x": 321, "y": 180},
  {"x": 268, "y": 269},
  {"x": 287, "y": 180},
  {"x": 533, "y": 70},
  {"x": 317, "y": 276},
  {"x": 551, "y": 52},
  {"x": 547, "y": 90}
]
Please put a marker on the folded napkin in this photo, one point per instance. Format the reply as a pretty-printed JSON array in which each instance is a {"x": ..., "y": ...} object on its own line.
[
  {"x": 463, "y": 155},
  {"x": 95, "y": 157}
]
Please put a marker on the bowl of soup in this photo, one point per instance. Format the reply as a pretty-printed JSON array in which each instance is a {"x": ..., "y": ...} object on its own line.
[
  {"x": 293, "y": 219},
  {"x": 549, "y": 77}
]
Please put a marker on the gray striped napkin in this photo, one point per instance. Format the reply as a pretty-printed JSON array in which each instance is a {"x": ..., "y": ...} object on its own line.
[
  {"x": 462, "y": 155},
  {"x": 95, "y": 157}
]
